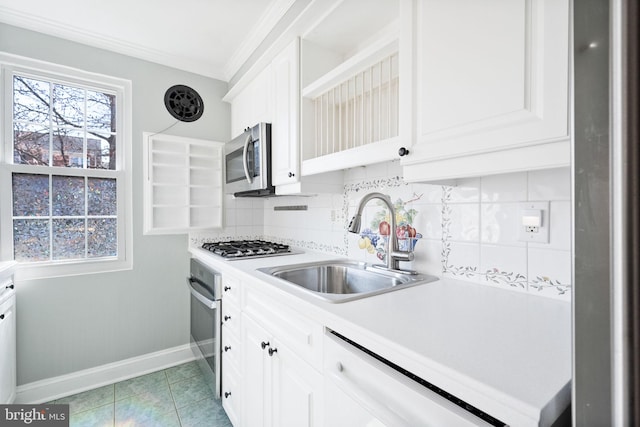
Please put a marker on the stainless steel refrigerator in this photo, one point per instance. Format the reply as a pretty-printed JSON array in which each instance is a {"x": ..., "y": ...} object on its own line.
[{"x": 606, "y": 159}]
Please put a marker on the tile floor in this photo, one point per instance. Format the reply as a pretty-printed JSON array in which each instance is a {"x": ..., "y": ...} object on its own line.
[{"x": 173, "y": 397}]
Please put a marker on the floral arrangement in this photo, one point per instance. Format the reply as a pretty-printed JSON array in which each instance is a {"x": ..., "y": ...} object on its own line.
[{"x": 375, "y": 239}]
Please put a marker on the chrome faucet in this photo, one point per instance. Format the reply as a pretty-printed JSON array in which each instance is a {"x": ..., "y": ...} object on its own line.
[{"x": 394, "y": 255}]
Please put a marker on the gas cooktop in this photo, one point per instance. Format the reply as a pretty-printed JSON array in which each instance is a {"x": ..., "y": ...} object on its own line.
[{"x": 242, "y": 249}]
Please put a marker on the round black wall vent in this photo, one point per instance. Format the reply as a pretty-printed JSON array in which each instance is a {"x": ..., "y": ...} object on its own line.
[{"x": 183, "y": 103}]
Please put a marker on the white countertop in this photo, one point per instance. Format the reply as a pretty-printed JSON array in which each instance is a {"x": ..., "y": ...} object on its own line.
[
  {"x": 507, "y": 353},
  {"x": 7, "y": 268}
]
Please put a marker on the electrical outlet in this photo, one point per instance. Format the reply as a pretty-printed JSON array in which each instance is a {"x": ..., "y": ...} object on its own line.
[
  {"x": 531, "y": 229},
  {"x": 533, "y": 222}
]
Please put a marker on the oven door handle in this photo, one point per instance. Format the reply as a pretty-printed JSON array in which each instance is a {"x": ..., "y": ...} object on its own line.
[
  {"x": 245, "y": 159},
  {"x": 204, "y": 300}
]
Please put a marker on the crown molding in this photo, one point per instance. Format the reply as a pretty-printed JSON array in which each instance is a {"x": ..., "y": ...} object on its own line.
[
  {"x": 57, "y": 29},
  {"x": 257, "y": 33}
]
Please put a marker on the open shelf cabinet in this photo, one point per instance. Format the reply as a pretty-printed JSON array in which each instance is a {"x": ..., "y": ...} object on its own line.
[{"x": 183, "y": 188}]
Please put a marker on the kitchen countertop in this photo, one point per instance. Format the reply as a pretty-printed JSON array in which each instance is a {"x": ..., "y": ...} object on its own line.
[
  {"x": 507, "y": 353},
  {"x": 7, "y": 267}
]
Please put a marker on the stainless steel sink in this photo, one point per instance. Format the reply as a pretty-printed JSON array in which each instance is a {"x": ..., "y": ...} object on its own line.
[{"x": 339, "y": 281}]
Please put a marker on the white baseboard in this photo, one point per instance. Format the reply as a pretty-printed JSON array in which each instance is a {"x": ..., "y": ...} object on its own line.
[{"x": 54, "y": 388}]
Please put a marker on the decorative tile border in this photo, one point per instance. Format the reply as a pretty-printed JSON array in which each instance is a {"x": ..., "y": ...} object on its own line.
[
  {"x": 493, "y": 275},
  {"x": 376, "y": 184},
  {"x": 312, "y": 246},
  {"x": 350, "y": 189},
  {"x": 197, "y": 241}
]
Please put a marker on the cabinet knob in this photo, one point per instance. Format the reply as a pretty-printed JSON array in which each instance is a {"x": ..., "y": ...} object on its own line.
[
  {"x": 291, "y": 174},
  {"x": 11, "y": 286},
  {"x": 227, "y": 288},
  {"x": 1, "y": 316},
  {"x": 227, "y": 348},
  {"x": 339, "y": 367},
  {"x": 227, "y": 394},
  {"x": 264, "y": 344},
  {"x": 272, "y": 350},
  {"x": 227, "y": 318},
  {"x": 403, "y": 151}
]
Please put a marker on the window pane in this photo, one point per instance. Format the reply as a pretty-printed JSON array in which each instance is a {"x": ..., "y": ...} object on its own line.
[
  {"x": 68, "y": 106},
  {"x": 101, "y": 111},
  {"x": 30, "y": 195},
  {"x": 68, "y": 238},
  {"x": 101, "y": 151},
  {"x": 68, "y": 148},
  {"x": 31, "y": 239},
  {"x": 68, "y": 196},
  {"x": 30, "y": 100},
  {"x": 57, "y": 216},
  {"x": 30, "y": 144},
  {"x": 102, "y": 237},
  {"x": 102, "y": 196}
]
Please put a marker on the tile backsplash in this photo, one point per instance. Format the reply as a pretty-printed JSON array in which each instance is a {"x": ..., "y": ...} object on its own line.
[{"x": 467, "y": 229}]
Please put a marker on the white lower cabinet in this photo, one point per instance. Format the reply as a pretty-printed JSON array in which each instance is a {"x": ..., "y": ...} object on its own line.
[
  {"x": 280, "y": 389},
  {"x": 282, "y": 369},
  {"x": 7, "y": 342},
  {"x": 231, "y": 393},
  {"x": 232, "y": 351}
]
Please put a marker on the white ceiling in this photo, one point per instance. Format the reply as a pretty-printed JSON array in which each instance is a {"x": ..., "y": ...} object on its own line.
[{"x": 208, "y": 37}]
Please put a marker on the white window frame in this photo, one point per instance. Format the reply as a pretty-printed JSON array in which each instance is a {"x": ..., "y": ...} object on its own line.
[{"x": 13, "y": 64}]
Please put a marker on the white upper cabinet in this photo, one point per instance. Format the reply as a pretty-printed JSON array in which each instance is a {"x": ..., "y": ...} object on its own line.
[
  {"x": 491, "y": 86},
  {"x": 285, "y": 135},
  {"x": 252, "y": 105},
  {"x": 468, "y": 87}
]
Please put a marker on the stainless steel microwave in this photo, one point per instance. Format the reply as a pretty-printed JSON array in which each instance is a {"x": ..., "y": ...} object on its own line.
[{"x": 248, "y": 163}]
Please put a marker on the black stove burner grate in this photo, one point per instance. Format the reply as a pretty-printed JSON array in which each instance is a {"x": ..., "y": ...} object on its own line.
[{"x": 246, "y": 248}]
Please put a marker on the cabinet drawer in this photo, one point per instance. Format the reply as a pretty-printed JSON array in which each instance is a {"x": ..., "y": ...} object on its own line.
[
  {"x": 231, "y": 394},
  {"x": 230, "y": 319},
  {"x": 288, "y": 326},
  {"x": 231, "y": 351},
  {"x": 230, "y": 290},
  {"x": 6, "y": 288}
]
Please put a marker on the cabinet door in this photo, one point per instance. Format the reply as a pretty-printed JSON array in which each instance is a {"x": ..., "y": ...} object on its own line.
[
  {"x": 491, "y": 75},
  {"x": 255, "y": 373},
  {"x": 284, "y": 130},
  {"x": 253, "y": 104},
  {"x": 8, "y": 352},
  {"x": 296, "y": 391}
]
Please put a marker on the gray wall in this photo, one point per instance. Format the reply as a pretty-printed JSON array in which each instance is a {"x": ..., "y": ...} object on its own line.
[{"x": 73, "y": 323}]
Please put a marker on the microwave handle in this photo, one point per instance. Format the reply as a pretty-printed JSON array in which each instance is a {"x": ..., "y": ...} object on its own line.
[{"x": 245, "y": 159}]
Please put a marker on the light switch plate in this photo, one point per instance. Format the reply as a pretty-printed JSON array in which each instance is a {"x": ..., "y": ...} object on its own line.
[{"x": 533, "y": 234}]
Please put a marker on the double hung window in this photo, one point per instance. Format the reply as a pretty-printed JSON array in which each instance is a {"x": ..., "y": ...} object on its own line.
[{"x": 65, "y": 177}]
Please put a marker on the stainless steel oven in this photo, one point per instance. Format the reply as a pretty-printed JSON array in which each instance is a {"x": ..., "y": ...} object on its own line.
[
  {"x": 205, "y": 286},
  {"x": 248, "y": 163}
]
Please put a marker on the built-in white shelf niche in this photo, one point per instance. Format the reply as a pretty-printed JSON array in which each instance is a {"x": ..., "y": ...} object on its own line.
[{"x": 183, "y": 188}]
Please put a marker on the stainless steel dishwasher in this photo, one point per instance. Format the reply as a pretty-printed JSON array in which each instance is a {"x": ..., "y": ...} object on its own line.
[{"x": 205, "y": 286}]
